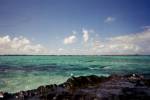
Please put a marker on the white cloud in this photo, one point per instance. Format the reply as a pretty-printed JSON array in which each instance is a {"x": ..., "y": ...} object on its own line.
[
  {"x": 137, "y": 43},
  {"x": 109, "y": 19},
  {"x": 20, "y": 45},
  {"x": 60, "y": 49},
  {"x": 69, "y": 40},
  {"x": 85, "y": 35},
  {"x": 128, "y": 44}
]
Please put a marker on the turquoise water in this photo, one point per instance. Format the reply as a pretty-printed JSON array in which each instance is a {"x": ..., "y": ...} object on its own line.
[{"x": 28, "y": 72}]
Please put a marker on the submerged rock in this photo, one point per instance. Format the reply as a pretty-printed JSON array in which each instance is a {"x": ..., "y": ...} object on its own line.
[{"x": 114, "y": 87}]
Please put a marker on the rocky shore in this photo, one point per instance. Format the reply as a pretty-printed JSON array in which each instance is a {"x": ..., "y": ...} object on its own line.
[{"x": 129, "y": 87}]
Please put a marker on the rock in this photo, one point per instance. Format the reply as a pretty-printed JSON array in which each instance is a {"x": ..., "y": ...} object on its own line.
[
  {"x": 114, "y": 87},
  {"x": 147, "y": 82}
]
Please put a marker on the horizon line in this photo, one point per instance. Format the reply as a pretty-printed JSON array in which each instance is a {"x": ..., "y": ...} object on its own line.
[{"x": 72, "y": 55}]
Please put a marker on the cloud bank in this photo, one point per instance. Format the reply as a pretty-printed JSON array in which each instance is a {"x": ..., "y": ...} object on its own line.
[
  {"x": 121, "y": 45},
  {"x": 137, "y": 43},
  {"x": 20, "y": 45}
]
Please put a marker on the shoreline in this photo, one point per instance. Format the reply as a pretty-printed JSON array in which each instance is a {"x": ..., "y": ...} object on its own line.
[{"x": 91, "y": 87}]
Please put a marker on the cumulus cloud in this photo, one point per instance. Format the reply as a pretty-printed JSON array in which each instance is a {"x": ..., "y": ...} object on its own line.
[
  {"x": 135, "y": 43},
  {"x": 20, "y": 45},
  {"x": 128, "y": 44},
  {"x": 85, "y": 35},
  {"x": 109, "y": 19},
  {"x": 70, "y": 40}
]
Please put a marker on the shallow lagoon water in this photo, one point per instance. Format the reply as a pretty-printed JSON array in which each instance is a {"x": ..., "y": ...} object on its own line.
[{"x": 28, "y": 72}]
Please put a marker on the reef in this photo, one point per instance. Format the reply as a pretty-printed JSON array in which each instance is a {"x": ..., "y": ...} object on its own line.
[{"x": 114, "y": 87}]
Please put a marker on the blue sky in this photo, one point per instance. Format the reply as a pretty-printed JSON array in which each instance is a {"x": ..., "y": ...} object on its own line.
[{"x": 49, "y": 23}]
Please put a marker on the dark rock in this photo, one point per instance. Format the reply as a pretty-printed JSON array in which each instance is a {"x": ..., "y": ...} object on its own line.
[
  {"x": 129, "y": 87},
  {"x": 147, "y": 82}
]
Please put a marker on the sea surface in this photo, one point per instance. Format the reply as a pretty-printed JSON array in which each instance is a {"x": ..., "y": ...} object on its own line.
[{"x": 28, "y": 72}]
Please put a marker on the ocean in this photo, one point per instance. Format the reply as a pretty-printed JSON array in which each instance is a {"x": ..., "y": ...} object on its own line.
[{"x": 28, "y": 72}]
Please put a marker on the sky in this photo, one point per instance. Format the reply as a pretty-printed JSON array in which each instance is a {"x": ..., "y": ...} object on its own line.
[{"x": 75, "y": 27}]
